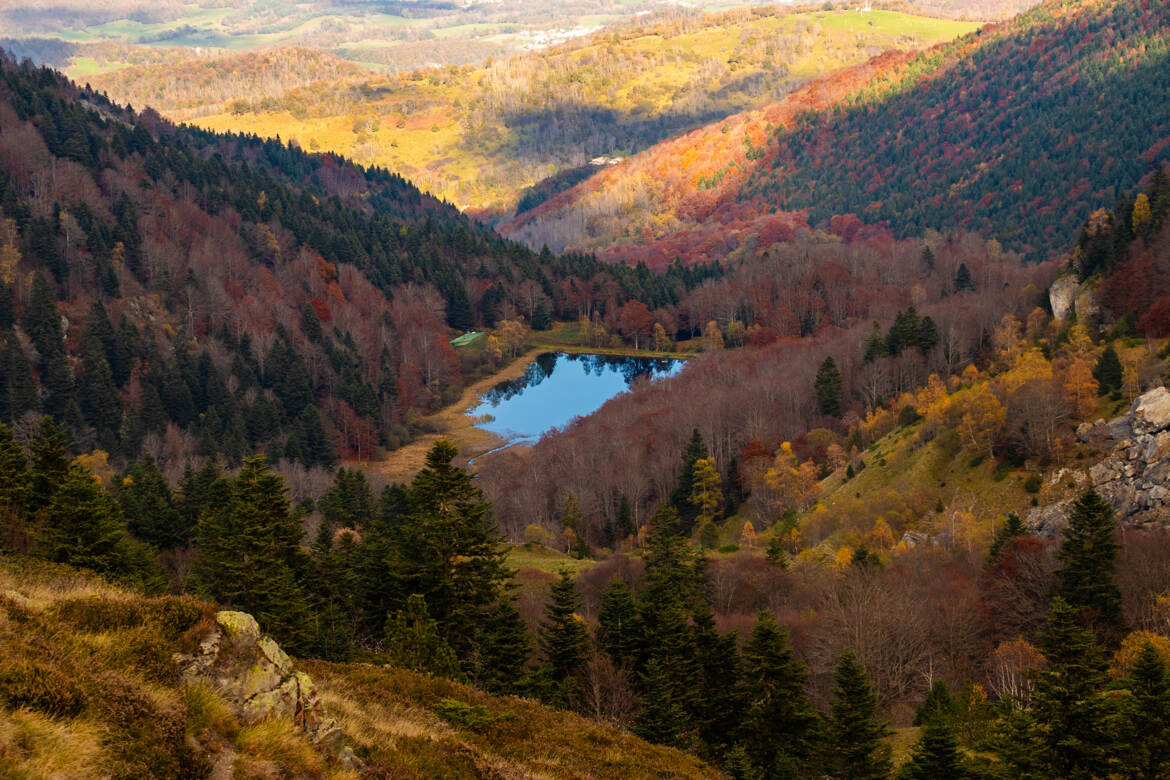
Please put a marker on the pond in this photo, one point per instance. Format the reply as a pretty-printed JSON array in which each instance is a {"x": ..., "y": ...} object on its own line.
[{"x": 557, "y": 387}]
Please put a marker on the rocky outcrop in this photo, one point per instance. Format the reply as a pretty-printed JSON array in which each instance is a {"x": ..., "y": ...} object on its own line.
[
  {"x": 1135, "y": 476},
  {"x": 1068, "y": 298},
  {"x": 1062, "y": 295},
  {"x": 258, "y": 680}
]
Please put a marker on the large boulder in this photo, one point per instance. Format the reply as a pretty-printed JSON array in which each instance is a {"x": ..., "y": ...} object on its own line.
[
  {"x": 256, "y": 677},
  {"x": 1151, "y": 412},
  {"x": 1062, "y": 295}
]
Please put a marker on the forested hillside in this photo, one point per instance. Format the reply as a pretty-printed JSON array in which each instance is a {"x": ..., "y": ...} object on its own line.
[
  {"x": 1078, "y": 91},
  {"x": 181, "y": 292},
  {"x": 478, "y": 136}
]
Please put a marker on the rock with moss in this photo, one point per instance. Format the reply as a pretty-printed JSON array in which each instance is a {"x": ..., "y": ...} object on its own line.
[{"x": 256, "y": 677}]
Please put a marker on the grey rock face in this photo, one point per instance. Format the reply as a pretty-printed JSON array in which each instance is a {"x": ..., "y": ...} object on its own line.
[{"x": 1135, "y": 476}]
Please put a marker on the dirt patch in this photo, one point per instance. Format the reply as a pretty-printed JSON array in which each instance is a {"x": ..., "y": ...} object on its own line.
[{"x": 453, "y": 423}]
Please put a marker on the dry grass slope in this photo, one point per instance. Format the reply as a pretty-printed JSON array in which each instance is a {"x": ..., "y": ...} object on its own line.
[{"x": 89, "y": 689}]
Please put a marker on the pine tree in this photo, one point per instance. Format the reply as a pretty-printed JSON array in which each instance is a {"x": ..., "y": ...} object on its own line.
[
  {"x": 18, "y": 389},
  {"x": 15, "y": 494},
  {"x": 149, "y": 507},
  {"x": 1012, "y": 528},
  {"x": 250, "y": 556},
  {"x": 1076, "y": 721},
  {"x": 1088, "y": 554},
  {"x": 82, "y": 528},
  {"x": 963, "y": 279},
  {"x": 695, "y": 451},
  {"x": 1107, "y": 372},
  {"x": 828, "y": 389},
  {"x": 49, "y": 461},
  {"x": 564, "y": 640},
  {"x": 413, "y": 642},
  {"x": 855, "y": 747},
  {"x": 1146, "y": 748},
  {"x": 619, "y": 631},
  {"x": 450, "y": 551},
  {"x": 663, "y": 720},
  {"x": 939, "y": 704},
  {"x": 936, "y": 755},
  {"x": 781, "y": 729}
]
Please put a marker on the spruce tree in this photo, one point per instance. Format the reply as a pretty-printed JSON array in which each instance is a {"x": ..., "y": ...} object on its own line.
[
  {"x": 876, "y": 347},
  {"x": 1108, "y": 370},
  {"x": 663, "y": 720},
  {"x": 83, "y": 528},
  {"x": 619, "y": 631},
  {"x": 18, "y": 389},
  {"x": 1088, "y": 556},
  {"x": 413, "y": 642},
  {"x": 939, "y": 704},
  {"x": 97, "y": 393},
  {"x": 717, "y": 713},
  {"x": 450, "y": 551},
  {"x": 695, "y": 451},
  {"x": 781, "y": 729},
  {"x": 49, "y": 460},
  {"x": 149, "y": 507},
  {"x": 828, "y": 389},
  {"x": 564, "y": 640},
  {"x": 855, "y": 747},
  {"x": 936, "y": 755},
  {"x": 1012, "y": 528},
  {"x": 250, "y": 556},
  {"x": 963, "y": 279},
  {"x": 501, "y": 663},
  {"x": 1076, "y": 720},
  {"x": 15, "y": 494},
  {"x": 1146, "y": 748}
]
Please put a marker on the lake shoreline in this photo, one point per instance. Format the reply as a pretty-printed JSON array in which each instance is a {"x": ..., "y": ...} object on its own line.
[{"x": 456, "y": 423}]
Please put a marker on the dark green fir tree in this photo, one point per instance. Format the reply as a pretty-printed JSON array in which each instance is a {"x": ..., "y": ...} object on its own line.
[
  {"x": 564, "y": 641},
  {"x": 781, "y": 730},
  {"x": 855, "y": 749},
  {"x": 1088, "y": 557},
  {"x": 619, "y": 631},
  {"x": 828, "y": 389},
  {"x": 1146, "y": 748}
]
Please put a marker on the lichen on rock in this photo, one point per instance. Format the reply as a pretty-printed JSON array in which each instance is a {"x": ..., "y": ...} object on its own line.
[{"x": 256, "y": 677}]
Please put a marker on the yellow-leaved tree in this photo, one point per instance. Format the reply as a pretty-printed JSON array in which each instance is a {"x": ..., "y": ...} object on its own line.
[{"x": 707, "y": 491}]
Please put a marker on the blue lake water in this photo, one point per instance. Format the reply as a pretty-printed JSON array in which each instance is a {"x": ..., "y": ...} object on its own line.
[{"x": 557, "y": 387}]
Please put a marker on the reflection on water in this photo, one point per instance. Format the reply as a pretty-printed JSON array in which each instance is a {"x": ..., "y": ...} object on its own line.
[{"x": 557, "y": 387}]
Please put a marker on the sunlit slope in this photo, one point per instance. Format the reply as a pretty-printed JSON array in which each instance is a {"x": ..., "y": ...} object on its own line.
[
  {"x": 1017, "y": 132},
  {"x": 479, "y": 136}
]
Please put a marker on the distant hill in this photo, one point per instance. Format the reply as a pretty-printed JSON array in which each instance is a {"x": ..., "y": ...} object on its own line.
[
  {"x": 206, "y": 85},
  {"x": 479, "y": 136},
  {"x": 1016, "y": 132}
]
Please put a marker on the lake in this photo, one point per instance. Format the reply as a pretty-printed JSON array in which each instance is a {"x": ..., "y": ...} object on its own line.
[{"x": 557, "y": 387}]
